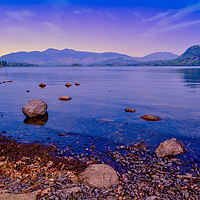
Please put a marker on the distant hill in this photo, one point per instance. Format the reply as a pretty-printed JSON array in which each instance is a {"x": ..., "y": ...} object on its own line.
[
  {"x": 157, "y": 56},
  {"x": 69, "y": 57},
  {"x": 191, "y": 57}
]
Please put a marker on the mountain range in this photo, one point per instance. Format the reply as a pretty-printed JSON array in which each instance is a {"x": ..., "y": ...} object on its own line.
[
  {"x": 52, "y": 57},
  {"x": 69, "y": 56}
]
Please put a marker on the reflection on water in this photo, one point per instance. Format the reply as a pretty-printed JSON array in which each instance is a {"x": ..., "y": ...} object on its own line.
[
  {"x": 191, "y": 77},
  {"x": 40, "y": 121},
  {"x": 97, "y": 109}
]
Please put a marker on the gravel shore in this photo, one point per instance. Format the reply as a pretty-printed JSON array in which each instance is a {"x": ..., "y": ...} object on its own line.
[{"x": 37, "y": 169}]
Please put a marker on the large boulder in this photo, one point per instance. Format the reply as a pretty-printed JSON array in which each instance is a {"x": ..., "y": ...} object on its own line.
[
  {"x": 170, "y": 148},
  {"x": 35, "y": 108},
  {"x": 99, "y": 176}
]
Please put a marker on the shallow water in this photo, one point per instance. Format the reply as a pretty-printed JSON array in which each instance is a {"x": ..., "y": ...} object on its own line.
[{"x": 96, "y": 110}]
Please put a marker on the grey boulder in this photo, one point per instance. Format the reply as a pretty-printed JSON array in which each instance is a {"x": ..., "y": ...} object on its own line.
[
  {"x": 99, "y": 176},
  {"x": 35, "y": 108},
  {"x": 169, "y": 148}
]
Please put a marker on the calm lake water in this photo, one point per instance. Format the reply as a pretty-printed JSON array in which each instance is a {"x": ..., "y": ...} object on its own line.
[{"x": 96, "y": 110}]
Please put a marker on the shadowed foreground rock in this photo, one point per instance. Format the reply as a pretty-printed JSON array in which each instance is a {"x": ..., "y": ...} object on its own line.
[
  {"x": 40, "y": 121},
  {"x": 17, "y": 196},
  {"x": 99, "y": 175},
  {"x": 151, "y": 118},
  {"x": 35, "y": 108},
  {"x": 171, "y": 147}
]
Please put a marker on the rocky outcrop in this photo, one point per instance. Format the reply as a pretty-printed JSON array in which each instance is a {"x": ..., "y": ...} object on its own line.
[
  {"x": 171, "y": 147},
  {"x": 99, "y": 176},
  {"x": 151, "y": 118},
  {"x": 35, "y": 108}
]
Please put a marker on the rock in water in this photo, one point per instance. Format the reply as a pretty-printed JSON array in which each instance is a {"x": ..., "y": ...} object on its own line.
[
  {"x": 68, "y": 84},
  {"x": 99, "y": 175},
  {"x": 151, "y": 118},
  {"x": 130, "y": 110},
  {"x": 77, "y": 84},
  {"x": 42, "y": 85},
  {"x": 171, "y": 147},
  {"x": 35, "y": 108},
  {"x": 65, "y": 98}
]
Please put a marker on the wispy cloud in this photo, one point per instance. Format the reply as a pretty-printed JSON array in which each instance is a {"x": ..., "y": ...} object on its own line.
[
  {"x": 50, "y": 26},
  {"x": 81, "y": 11},
  {"x": 172, "y": 20},
  {"x": 106, "y": 14},
  {"x": 19, "y": 15}
]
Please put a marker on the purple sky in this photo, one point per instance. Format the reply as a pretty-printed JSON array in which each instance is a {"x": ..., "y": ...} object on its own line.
[{"x": 135, "y": 28}]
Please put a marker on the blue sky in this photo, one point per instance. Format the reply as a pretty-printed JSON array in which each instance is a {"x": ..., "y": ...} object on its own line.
[{"x": 133, "y": 27}]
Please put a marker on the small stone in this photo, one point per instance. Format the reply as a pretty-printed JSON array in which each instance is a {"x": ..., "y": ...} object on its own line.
[
  {"x": 77, "y": 84},
  {"x": 171, "y": 147},
  {"x": 71, "y": 190},
  {"x": 151, "y": 118},
  {"x": 65, "y": 98},
  {"x": 10, "y": 81},
  {"x": 151, "y": 198},
  {"x": 28, "y": 91},
  {"x": 130, "y": 110},
  {"x": 42, "y": 85},
  {"x": 68, "y": 84}
]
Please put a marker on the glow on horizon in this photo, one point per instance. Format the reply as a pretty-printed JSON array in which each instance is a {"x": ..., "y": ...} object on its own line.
[{"x": 125, "y": 27}]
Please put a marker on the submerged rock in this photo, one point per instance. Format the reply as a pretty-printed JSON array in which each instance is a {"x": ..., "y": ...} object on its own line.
[
  {"x": 42, "y": 85},
  {"x": 65, "y": 98},
  {"x": 171, "y": 147},
  {"x": 99, "y": 176},
  {"x": 35, "y": 108},
  {"x": 40, "y": 121},
  {"x": 151, "y": 118},
  {"x": 130, "y": 110}
]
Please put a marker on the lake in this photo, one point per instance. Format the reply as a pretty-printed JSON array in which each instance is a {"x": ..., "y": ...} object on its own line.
[{"x": 97, "y": 109}]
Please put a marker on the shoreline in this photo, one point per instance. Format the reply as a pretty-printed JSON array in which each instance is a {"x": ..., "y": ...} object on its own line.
[{"x": 41, "y": 171}]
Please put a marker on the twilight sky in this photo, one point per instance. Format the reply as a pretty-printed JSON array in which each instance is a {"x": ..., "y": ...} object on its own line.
[{"x": 133, "y": 27}]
